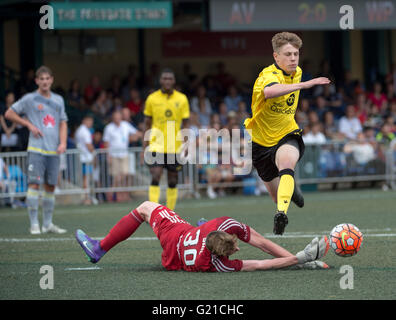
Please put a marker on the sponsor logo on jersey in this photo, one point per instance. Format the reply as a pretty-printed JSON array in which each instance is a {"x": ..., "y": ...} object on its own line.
[
  {"x": 290, "y": 99},
  {"x": 279, "y": 108},
  {"x": 49, "y": 121}
]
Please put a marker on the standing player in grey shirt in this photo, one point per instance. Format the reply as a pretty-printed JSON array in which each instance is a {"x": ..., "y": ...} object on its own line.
[{"x": 46, "y": 120}]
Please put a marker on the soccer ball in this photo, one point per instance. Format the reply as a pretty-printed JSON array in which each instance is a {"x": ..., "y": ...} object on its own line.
[{"x": 346, "y": 239}]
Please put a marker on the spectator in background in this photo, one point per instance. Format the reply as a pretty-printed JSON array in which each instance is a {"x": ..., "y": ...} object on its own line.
[
  {"x": 301, "y": 119},
  {"x": 92, "y": 90},
  {"x": 223, "y": 79},
  {"x": 117, "y": 104},
  {"x": 232, "y": 99},
  {"x": 212, "y": 91},
  {"x": 320, "y": 106},
  {"x": 349, "y": 124},
  {"x": 115, "y": 86},
  {"x": 223, "y": 114},
  {"x": 334, "y": 101},
  {"x": 128, "y": 86},
  {"x": 9, "y": 136},
  {"x": 385, "y": 136},
  {"x": 306, "y": 76},
  {"x": 100, "y": 170},
  {"x": 4, "y": 181},
  {"x": 361, "y": 108},
  {"x": 313, "y": 118},
  {"x": 26, "y": 84},
  {"x": 392, "y": 111},
  {"x": 360, "y": 149},
  {"x": 74, "y": 97},
  {"x": 330, "y": 128},
  {"x": 374, "y": 117},
  {"x": 152, "y": 79},
  {"x": 304, "y": 105},
  {"x": 136, "y": 138},
  {"x": 203, "y": 114},
  {"x": 101, "y": 107},
  {"x": 194, "y": 123},
  {"x": 242, "y": 114},
  {"x": 188, "y": 80},
  {"x": 84, "y": 142},
  {"x": 377, "y": 97},
  {"x": 370, "y": 134},
  {"x": 391, "y": 122},
  {"x": 201, "y": 99},
  {"x": 116, "y": 137},
  {"x": 348, "y": 87},
  {"x": 314, "y": 135},
  {"x": 390, "y": 92},
  {"x": 134, "y": 103}
]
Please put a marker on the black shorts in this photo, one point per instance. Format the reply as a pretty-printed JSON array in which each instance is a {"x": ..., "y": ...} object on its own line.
[
  {"x": 168, "y": 161},
  {"x": 264, "y": 157}
]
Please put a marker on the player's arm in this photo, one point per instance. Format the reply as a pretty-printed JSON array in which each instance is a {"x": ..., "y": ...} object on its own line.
[
  {"x": 278, "y": 89},
  {"x": 16, "y": 118},
  {"x": 277, "y": 263},
  {"x": 62, "y": 137},
  {"x": 266, "y": 245}
]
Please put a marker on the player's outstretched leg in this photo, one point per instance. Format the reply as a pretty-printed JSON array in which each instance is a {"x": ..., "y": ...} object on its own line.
[
  {"x": 90, "y": 246},
  {"x": 124, "y": 228}
]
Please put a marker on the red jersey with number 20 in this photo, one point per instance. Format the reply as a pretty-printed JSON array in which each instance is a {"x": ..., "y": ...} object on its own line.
[{"x": 196, "y": 257}]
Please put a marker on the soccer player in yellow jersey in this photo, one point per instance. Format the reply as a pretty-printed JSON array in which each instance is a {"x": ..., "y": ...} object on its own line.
[
  {"x": 277, "y": 144},
  {"x": 166, "y": 112}
]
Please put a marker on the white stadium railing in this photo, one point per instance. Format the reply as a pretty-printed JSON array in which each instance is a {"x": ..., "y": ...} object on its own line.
[{"x": 327, "y": 163}]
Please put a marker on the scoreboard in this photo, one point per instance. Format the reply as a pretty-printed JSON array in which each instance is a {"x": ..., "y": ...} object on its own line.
[{"x": 226, "y": 15}]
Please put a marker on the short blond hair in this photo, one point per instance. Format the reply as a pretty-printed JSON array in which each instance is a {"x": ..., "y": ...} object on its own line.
[
  {"x": 282, "y": 38},
  {"x": 43, "y": 69},
  {"x": 221, "y": 243}
]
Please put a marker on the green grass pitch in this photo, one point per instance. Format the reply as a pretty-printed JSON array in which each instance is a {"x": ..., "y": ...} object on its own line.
[{"x": 132, "y": 270}]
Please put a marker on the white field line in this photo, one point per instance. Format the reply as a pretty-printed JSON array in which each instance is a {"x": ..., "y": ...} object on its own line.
[
  {"x": 83, "y": 269},
  {"x": 291, "y": 235}
]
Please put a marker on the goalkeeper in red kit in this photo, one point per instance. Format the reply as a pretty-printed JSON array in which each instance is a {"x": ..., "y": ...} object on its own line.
[{"x": 204, "y": 248}]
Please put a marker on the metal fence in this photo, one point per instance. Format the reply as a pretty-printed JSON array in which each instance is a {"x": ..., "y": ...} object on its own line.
[{"x": 327, "y": 163}]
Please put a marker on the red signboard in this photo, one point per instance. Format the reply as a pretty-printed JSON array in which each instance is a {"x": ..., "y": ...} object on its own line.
[{"x": 216, "y": 44}]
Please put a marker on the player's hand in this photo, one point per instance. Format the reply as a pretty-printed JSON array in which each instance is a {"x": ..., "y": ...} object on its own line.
[
  {"x": 61, "y": 148},
  {"x": 315, "y": 82},
  {"x": 35, "y": 131}
]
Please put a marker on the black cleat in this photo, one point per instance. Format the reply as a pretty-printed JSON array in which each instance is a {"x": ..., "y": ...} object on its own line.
[
  {"x": 280, "y": 222},
  {"x": 297, "y": 197}
]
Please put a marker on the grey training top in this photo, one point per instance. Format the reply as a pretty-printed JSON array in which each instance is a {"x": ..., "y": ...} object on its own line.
[{"x": 45, "y": 114}]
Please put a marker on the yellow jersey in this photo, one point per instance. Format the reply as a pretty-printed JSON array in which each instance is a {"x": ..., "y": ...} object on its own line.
[
  {"x": 167, "y": 113},
  {"x": 273, "y": 118}
]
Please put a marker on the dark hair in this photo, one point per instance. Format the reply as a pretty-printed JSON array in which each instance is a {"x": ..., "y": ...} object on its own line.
[{"x": 167, "y": 70}]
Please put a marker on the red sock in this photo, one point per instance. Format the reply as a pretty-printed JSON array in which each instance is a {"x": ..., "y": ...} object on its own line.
[{"x": 122, "y": 230}]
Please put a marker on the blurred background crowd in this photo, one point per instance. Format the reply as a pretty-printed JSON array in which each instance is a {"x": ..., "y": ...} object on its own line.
[{"x": 360, "y": 119}]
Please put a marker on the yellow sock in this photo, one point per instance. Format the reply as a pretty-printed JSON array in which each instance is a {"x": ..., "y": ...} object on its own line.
[
  {"x": 171, "y": 198},
  {"x": 154, "y": 193},
  {"x": 285, "y": 189}
]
